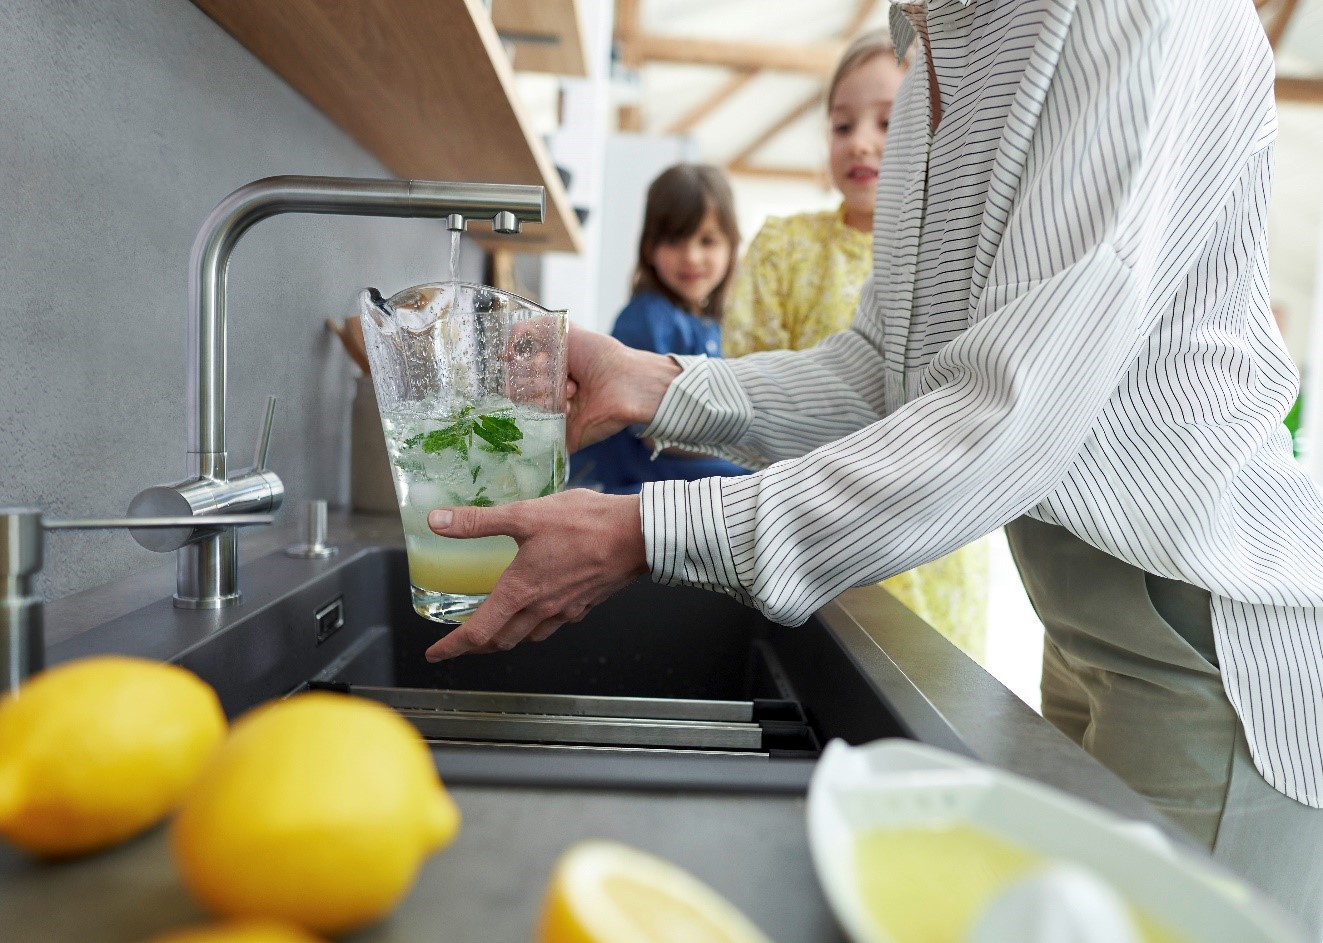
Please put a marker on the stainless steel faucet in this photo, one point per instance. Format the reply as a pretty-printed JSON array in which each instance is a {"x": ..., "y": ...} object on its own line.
[{"x": 207, "y": 562}]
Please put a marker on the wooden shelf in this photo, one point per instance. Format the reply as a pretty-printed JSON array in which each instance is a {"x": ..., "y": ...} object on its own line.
[
  {"x": 422, "y": 84},
  {"x": 545, "y": 34}
]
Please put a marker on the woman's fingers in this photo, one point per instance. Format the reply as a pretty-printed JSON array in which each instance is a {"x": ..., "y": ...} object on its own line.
[
  {"x": 576, "y": 548},
  {"x": 465, "y": 522},
  {"x": 542, "y": 633}
]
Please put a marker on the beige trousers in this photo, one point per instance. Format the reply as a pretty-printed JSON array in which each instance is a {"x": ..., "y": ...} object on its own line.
[{"x": 1130, "y": 674}]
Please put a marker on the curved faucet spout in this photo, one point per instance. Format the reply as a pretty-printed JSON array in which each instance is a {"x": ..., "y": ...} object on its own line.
[
  {"x": 335, "y": 196},
  {"x": 208, "y": 567}
]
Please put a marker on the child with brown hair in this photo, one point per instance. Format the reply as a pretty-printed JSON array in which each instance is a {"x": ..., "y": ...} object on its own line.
[{"x": 686, "y": 261}]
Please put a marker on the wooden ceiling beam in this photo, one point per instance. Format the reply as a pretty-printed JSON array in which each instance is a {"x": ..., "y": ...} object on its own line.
[
  {"x": 1277, "y": 25},
  {"x": 786, "y": 121},
  {"x": 797, "y": 174},
  {"x": 742, "y": 77},
  {"x": 740, "y": 163},
  {"x": 862, "y": 12},
  {"x": 810, "y": 58},
  {"x": 686, "y": 122},
  {"x": 1300, "y": 91},
  {"x": 628, "y": 117},
  {"x": 627, "y": 32}
]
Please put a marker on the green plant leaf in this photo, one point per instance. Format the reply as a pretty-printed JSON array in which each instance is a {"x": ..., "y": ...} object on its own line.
[
  {"x": 451, "y": 437},
  {"x": 498, "y": 430},
  {"x": 557, "y": 475}
]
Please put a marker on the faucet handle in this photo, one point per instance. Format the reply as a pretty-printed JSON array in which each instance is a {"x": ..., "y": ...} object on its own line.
[
  {"x": 207, "y": 503},
  {"x": 264, "y": 436}
]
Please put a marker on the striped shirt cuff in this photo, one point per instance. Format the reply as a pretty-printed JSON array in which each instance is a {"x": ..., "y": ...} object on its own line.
[
  {"x": 684, "y": 534},
  {"x": 704, "y": 405}
]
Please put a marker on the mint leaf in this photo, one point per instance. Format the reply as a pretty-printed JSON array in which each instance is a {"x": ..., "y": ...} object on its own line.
[
  {"x": 557, "y": 475},
  {"x": 499, "y": 434},
  {"x": 504, "y": 425},
  {"x": 480, "y": 500},
  {"x": 475, "y": 470},
  {"x": 451, "y": 437}
]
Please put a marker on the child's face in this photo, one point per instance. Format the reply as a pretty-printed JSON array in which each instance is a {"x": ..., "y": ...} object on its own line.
[
  {"x": 858, "y": 119},
  {"x": 694, "y": 266}
]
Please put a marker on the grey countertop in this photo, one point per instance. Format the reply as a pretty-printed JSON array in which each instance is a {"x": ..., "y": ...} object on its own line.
[{"x": 488, "y": 885}]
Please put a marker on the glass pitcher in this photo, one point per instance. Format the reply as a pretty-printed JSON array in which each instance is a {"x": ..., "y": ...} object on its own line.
[{"x": 470, "y": 383}]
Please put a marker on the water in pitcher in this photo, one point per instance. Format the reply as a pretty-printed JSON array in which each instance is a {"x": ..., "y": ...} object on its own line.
[
  {"x": 489, "y": 453},
  {"x": 470, "y": 383}
]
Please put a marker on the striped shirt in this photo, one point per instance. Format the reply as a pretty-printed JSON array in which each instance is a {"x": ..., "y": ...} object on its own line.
[{"x": 1068, "y": 318}]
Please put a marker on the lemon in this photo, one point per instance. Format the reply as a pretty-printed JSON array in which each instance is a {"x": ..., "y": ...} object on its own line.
[
  {"x": 239, "y": 931},
  {"x": 603, "y": 891},
  {"x": 318, "y": 810},
  {"x": 96, "y": 750}
]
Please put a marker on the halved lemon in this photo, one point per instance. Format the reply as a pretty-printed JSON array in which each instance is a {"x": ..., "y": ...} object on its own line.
[{"x": 604, "y": 891}]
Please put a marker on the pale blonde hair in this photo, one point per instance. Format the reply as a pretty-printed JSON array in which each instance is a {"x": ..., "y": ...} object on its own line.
[{"x": 864, "y": 49}]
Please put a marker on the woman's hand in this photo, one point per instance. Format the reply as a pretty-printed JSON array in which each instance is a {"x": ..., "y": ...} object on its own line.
[
  {"x": 576, "y": 549},
  {"x": 611, "y": 386}
]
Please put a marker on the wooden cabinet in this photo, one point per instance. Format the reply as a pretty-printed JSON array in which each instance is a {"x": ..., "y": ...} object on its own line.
[{"x": 424, "y": 85}]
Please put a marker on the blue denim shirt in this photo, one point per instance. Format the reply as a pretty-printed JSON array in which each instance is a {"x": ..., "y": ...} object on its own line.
[{"x": 622, "y": 463}]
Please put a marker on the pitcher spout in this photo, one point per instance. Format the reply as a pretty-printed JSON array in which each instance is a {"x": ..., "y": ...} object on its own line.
[{"x": 371, "y": 306}]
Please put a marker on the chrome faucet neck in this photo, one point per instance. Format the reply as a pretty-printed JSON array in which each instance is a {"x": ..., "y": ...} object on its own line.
[
  {"x": 456, "y": 203},
  {"x": 208, "y": 562}
]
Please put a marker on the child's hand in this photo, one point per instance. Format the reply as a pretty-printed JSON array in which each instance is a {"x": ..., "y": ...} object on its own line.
[{"x": 611, "y": 386}]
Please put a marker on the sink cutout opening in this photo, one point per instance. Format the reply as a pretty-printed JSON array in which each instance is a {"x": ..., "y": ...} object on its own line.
[{"x": 632, "y": 677}]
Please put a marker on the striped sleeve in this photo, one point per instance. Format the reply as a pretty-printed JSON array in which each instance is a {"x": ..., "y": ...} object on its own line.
[
  {"x": 1004, "y": 407},
  {"x": 804, "y": 399}
]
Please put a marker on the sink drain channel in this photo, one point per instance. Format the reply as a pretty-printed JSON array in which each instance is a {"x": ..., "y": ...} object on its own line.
[
  {"x": 600, "y": 731},
  {"x": 503, "y": 717}
]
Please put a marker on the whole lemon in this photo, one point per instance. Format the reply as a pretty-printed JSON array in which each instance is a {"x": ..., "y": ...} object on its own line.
[
  {"x": 318, "y": 809},
  {"x": 239, "y": 931},
  {"x": 96, "y": 750}
]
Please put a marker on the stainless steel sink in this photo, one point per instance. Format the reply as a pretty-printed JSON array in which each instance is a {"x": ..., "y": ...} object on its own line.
[
  {"x": 731, "y": 811},
  {"x": 658, "y": 687}
]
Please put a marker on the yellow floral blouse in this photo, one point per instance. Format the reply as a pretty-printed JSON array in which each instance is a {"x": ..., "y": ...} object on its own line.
[{"x": 799, "y": 281}]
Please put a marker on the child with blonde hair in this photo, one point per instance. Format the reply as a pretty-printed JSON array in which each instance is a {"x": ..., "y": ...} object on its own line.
[{"x": 800, "y": 281}]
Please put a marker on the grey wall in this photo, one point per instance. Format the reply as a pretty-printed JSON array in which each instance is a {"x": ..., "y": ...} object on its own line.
[{"x": 122, "y": 123}]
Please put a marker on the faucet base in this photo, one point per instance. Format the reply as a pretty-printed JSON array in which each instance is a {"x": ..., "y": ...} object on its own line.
[{"x": 211, "y": 602}]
